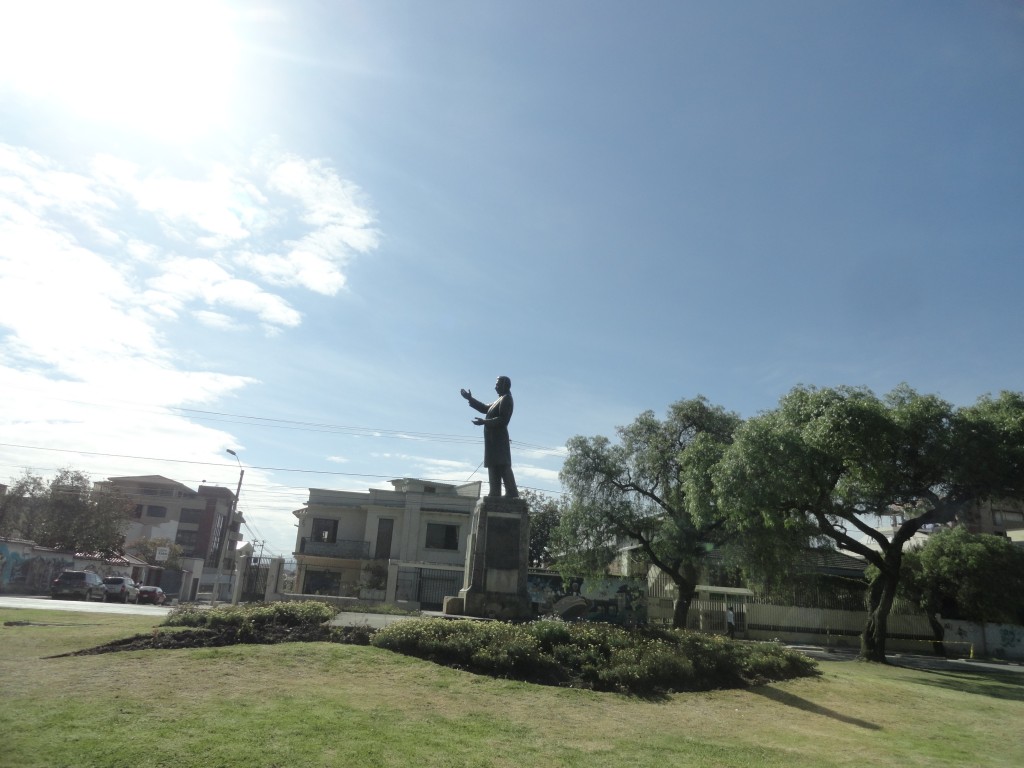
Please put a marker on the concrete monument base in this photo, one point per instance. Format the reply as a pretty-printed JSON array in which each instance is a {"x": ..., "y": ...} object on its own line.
[{"x": 497, "y": 553}]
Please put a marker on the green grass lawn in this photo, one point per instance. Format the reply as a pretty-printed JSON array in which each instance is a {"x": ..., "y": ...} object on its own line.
[{"x": 319, "y": 704}]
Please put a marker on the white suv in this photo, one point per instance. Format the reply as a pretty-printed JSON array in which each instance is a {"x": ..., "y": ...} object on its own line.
[{"x": 121, "y": 588}]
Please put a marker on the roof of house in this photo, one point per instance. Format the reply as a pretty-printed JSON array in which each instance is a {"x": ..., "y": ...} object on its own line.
[
  {"x": 821, "y": 560},
  {"x": 147, "y": 480},
  {"x": 833, "y": 560},
  {"x": 122, "y": 559}
]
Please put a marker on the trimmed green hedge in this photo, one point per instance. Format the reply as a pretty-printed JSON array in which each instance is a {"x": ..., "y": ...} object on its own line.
[
  {"x": 592, "y": 655},
  {"x": 252, "y": 616},
  {"x": 580, "y": 654}
]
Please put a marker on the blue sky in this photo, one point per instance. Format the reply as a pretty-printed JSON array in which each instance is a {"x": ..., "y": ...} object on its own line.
[{"x": 297, "y": 229}]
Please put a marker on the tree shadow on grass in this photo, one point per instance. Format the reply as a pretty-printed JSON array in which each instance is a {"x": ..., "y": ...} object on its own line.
[
  {"x": 997, "y": 685},
  {"x": 790, "y": 700}
]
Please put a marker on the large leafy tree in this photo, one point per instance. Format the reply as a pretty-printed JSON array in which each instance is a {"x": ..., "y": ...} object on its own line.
[
  {"x": 848, "y": 462},
  {"x": 544, "y": 514},
  {"x": 76, "y": 518},
  {"x": 970, "y": 576},
  {"x": 20, "y": 506},
  {"x": 636, "y": 493}
]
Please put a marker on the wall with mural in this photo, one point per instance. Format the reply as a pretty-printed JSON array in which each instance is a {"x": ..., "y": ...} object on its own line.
[
  {"x": 615, "y": 600},
  {"x": 28, "y": 569}
]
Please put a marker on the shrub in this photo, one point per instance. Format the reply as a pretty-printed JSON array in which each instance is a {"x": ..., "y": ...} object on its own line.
[
  {"x": 386, "y": 609},
  {"x": 593, "y": 655},
  {"x": 488, "y": 647},
  {"x": 252, "y": 616}
]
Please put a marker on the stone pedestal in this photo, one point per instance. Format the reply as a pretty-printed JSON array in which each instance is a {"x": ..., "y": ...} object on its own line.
[{"x": 497, "y": 553}]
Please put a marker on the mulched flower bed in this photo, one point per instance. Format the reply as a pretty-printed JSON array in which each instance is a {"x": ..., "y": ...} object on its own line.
[{"x": 210, "y": 638}]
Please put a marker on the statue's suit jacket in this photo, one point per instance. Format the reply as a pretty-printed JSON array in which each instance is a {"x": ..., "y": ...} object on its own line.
[{"x": 497, "y": 452}]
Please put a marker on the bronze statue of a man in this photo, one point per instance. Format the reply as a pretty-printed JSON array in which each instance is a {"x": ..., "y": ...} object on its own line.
[{"x": 497, "y": 453}]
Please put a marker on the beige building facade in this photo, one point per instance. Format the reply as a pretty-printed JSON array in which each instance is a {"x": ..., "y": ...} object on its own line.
[{"x": 406, "y": 545}]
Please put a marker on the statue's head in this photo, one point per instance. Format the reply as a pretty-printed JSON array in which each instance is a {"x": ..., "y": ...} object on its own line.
[{"x": 503, "y": 385}]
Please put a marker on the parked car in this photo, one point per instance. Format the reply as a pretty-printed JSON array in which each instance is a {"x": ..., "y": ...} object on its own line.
[
  {"x": 121, "y": 589},
  {"x": 83, "y": 585},
  {"x": 153, "y": 595}
]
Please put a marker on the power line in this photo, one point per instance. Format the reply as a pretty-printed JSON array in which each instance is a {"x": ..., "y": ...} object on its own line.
[
  {"x": 333, "y": 473},
  {"x": 264, "y": 421},
  {"x": 190, "y": 461}
]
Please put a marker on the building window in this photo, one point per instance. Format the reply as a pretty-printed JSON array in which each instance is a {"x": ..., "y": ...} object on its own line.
[
  {"x": 1006, "y": 517},
  {"x": 214, "y": 551},
  {"x": 325, "y": 531},
  {"x": 187, "y": 540},
  {"x": 442, "y": 536},
  {"x": 154, "y": 511},
  {"x": 191, "y": 515},
  {"x": 385, "y": 531}
]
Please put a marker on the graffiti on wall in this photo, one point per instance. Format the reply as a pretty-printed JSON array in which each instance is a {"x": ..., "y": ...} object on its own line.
[
  {"x": 27, "y": 572},
  {"x": 1010, "y": 636}
]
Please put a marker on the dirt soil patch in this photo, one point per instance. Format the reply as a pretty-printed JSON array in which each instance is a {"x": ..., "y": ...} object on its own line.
[{"x": 214, "y": 638}]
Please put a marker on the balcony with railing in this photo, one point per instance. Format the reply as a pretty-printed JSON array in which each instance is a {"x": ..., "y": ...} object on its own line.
[{"x": 349, "y": 550}]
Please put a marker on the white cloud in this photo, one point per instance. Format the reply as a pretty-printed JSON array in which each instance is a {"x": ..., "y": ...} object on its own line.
[
  {"x": 96, "y": 264},
  {"x": 214, "y": 211},
  {"x": 524, "y": 452},
  {"x": 217, "y": 320},
  {"x": 548, "y": 478},
  {"x": 291, "y": 222},
  {"x": 339, "y": 223},
  {"x": 185, "y": 280},
  {"x": 65, "y": 306}
]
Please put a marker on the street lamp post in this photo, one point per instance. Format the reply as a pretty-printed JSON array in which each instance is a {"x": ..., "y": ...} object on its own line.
[{"x": 230, "y": 517}]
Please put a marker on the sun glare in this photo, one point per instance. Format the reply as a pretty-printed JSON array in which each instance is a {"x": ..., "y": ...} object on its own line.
[{"x": 165, "y": 69}]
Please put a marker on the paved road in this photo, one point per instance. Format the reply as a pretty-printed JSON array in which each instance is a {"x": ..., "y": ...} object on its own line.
[{"x": 45, "y": 603}]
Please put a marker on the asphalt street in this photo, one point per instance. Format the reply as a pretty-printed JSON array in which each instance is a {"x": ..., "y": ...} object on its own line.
[{"x": 45, "y": 603}]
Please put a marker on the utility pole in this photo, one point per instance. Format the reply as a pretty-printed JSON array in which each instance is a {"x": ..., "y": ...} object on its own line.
[{"x": 231, "y": 516}]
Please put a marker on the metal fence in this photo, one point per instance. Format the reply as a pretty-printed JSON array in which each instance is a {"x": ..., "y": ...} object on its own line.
[
  {"x": 427, "y": 586},
  {"x": 255, "y": 574},
  {"x": 764, "y": 618}
]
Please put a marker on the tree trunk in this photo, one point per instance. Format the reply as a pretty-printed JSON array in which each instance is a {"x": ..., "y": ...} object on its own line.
[
  {"x": 881, "y": 596},
  {"x": 681, "y": 609}
]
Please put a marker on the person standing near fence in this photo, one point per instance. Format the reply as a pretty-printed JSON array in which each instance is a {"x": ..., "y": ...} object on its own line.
[{"x": 730, "y": 623}]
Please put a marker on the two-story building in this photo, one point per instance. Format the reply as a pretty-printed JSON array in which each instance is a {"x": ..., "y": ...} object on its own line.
[{"x": 405, "y": 546}]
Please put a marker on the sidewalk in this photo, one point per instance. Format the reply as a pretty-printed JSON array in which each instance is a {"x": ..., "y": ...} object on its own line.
[{"x": 913, "y": 660}]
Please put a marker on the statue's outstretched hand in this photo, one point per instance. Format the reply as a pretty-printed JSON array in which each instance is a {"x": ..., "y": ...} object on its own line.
[
  {"x": 479, "y": 422},
  {"x": 466, "y": 393}
]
